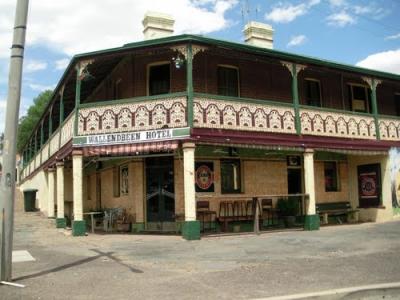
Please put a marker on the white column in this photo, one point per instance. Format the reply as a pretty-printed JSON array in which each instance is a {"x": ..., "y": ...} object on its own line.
[
  {"x": 188, "y": 181},
  {"x": 51, "y": 189},
  {"x": 60, "y": 190},
  {"x": 77, "y": 162},
  {"x": 309, "y": 182}
]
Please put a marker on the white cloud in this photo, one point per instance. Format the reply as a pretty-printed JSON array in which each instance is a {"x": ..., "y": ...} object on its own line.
[
  {"x": 286, "y": 13},
  {"x": 338, "y": 2},
  {"x": 40, "y": 87},
  {"x": 388, "y": 61},
  {"x": 34, "y": 66},
  {"x": 340, "y": 19},
  {"x": 75, "y": 26},
  {"x": 61, "y": 64},
  {"x": 297, "y": 40},
  {"x": 393, "y": 37}
]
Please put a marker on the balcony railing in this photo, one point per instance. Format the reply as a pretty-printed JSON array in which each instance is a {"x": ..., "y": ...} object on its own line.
[{"x": 133, "y": 115}]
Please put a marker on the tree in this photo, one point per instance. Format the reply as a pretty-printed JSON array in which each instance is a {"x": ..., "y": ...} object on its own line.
[{"x": 27, "y": 123}]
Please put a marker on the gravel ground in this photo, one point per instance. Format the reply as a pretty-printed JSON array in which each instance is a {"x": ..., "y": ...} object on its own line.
[{"x": 121, "y": 266}]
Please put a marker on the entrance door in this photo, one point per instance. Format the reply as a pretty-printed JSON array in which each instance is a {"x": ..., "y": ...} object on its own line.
[
  {"x": 294, "y": 181},
  {"x": 160, "y": 195}
]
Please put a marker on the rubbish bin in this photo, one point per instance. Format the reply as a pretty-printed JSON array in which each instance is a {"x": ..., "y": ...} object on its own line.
[{"x": 30, "y": 199}]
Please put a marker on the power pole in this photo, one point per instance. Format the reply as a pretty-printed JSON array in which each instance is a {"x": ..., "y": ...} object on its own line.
[{"x": 7, "y": 184}]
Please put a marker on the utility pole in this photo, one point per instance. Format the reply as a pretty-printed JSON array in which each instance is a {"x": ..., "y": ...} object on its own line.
[{"x": 7, "y": 183}]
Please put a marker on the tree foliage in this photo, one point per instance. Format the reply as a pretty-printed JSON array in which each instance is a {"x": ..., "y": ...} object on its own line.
[{"x": 27, "y": 123}]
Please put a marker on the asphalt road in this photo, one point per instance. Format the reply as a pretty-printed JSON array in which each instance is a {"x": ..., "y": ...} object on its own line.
[{"x": 118, "y": 266}]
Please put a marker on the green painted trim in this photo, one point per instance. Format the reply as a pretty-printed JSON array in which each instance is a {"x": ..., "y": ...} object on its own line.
[
  {"x": 375, "y": 109},
  {"x": 243, "y": 100},
  {"x": 41, "y": 136},
  {"x": 79, "y": 140},
  {"x": 77, "y": 101},
  {"x": 50, "y": 123},
  {"x": 396, "y": 118},
  {"x": 191, "y": 230},
  {"x": 61, "y": 109},
  {"x": 181, "y": 132},
  {"x": 137, "y": 227},
  {"x": 189, "y": 84},
  {"x": 311, "y": 222},
  {"x": 61, "y": 223},
  {"x": 132, "y": 100},
  {"x": 79, "y": 228},
  {"x": 295, "y": 95}
]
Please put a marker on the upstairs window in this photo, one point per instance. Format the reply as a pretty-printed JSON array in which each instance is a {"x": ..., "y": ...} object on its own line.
[
  {"x": 159, "y": 79},
  {"x": 228, "y": 81},
  {"x": 331, "y": 176},
  {"x": 230, "y": 176},
  {"x": 359, "y": 96},
  {"x": 117, "y": 89},
  {"x": 313, "y": 92},
  {"x": 397, "y": 103}
]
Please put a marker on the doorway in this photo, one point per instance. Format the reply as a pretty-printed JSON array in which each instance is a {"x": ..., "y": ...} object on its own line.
[
  {"x": 160, "y": 194},
  {"x": 294, "y": 181}
]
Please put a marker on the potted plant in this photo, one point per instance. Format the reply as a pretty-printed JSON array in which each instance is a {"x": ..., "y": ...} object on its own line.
[{"x": 287, "y": 210}]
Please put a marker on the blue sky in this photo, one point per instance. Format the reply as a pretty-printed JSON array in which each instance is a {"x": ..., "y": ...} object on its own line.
[{"x": 366, "y": 33}]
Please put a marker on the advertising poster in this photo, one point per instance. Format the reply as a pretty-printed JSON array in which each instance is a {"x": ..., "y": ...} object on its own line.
[{"x": 204, "y": 177}]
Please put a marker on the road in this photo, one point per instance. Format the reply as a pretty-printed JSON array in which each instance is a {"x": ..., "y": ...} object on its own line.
[{"x": 118, "y": 266}]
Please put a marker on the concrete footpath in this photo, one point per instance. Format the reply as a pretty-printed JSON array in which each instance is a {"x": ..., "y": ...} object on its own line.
[{"x": 118, "y": 266}]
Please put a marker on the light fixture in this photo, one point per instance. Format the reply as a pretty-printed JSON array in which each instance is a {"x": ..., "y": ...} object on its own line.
[{"x": 178, "y": 61}]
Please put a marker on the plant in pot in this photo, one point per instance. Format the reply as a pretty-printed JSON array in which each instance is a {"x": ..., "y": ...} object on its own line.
[{"x": 287, "y": 210}]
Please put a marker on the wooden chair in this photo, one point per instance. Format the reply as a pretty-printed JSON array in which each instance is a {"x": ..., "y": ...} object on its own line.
[
  {"x": 226, "y": 214},
  {"x": 267, "y": 211},
  {"x": 203, "y": 214}
]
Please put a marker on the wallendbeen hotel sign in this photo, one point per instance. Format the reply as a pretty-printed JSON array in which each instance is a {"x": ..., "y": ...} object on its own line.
[{"x": 132, "y": 137}]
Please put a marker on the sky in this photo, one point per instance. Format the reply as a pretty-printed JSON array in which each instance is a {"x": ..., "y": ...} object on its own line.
[{"x": 356, "y": 32}]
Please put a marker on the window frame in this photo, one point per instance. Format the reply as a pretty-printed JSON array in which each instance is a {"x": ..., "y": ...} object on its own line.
[
  {"x": 337, "y": 176},
  {"x": 367, "y": 95},
  {"x": 240, "y": 181},
  {"x": 308, "y": 79},
  {"x": 123, "y": 192},
  {"x": 237, "y": 75},
  {"x": 156, "y": 64}
]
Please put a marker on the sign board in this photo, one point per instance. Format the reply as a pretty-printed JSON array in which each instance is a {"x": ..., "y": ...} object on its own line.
[
  {"x": 204, "y": 177},
  {"x": 132, "y": 137},
  {"x": 369, "y": 185}
]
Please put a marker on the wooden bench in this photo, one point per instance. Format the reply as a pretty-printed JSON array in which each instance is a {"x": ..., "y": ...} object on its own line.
[{"x": 337, "y": 209}]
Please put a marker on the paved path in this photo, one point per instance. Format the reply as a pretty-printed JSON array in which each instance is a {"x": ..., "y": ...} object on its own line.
[{"x": 237, "y": 267}]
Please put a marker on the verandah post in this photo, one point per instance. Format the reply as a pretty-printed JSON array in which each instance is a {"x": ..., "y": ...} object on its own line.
[{"x": 311, "y": 221}]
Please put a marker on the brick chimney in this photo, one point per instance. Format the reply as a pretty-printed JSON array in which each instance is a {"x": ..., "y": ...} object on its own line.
[
  {"x": 157, "y": 25},
  {"x": 259, "y": 34}
]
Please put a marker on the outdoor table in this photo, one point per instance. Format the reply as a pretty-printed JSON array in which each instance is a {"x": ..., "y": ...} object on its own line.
[{"x": 92, "y": 213}]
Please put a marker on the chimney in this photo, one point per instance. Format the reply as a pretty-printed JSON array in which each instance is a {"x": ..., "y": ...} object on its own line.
[
  {"x": 157, "y": 25},
  {"x": 259, "y": 34}
]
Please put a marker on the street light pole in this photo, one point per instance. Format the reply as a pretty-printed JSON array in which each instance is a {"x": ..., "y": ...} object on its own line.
[{"x": 7, "y": 183}]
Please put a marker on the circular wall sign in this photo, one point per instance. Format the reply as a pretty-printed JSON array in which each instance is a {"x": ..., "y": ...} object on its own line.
[
  {"x": 368, "y": 186},
  {"x": 204, "y": 177}
]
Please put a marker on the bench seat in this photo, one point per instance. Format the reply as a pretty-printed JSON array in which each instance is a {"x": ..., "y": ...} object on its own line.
[{"x": 337, "y": 209}]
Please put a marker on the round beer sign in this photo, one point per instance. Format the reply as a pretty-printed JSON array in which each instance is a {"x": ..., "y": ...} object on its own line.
[
  {"x": 368, "y": 186},
  {"x": 204, "y": 177}
]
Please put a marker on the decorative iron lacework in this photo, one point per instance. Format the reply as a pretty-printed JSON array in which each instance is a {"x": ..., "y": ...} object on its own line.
[
  {"x": 389, "y": 129},
  {"x": 343, "y": 125},
  {"x": 211, "y": 113},
  {"x": 67, "y": 130},
  {"x": 160, "y": 113}
]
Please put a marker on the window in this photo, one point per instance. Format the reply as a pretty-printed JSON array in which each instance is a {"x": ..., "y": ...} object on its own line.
[
  {"x": 228, "y": 81},
  {"x": 230, "y": 176},
  {"x": 159, "y": 79},
  {"x": 331, "y": 176},
  {"x": 117, "y": 92},
  {"x": 116, "y": 192},
  {"x": 124, "y": 180},
  {"x": 359, "y": 96},
  {"x": 397, "y": 103},
  {"x": 313, "y": 92}
]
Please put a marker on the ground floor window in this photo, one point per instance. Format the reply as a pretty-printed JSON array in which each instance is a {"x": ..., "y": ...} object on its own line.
[
  {"x": 331, "y": 176},
  {"x": 230, "y": 176},
  {"x": 124, "y": 180}
]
